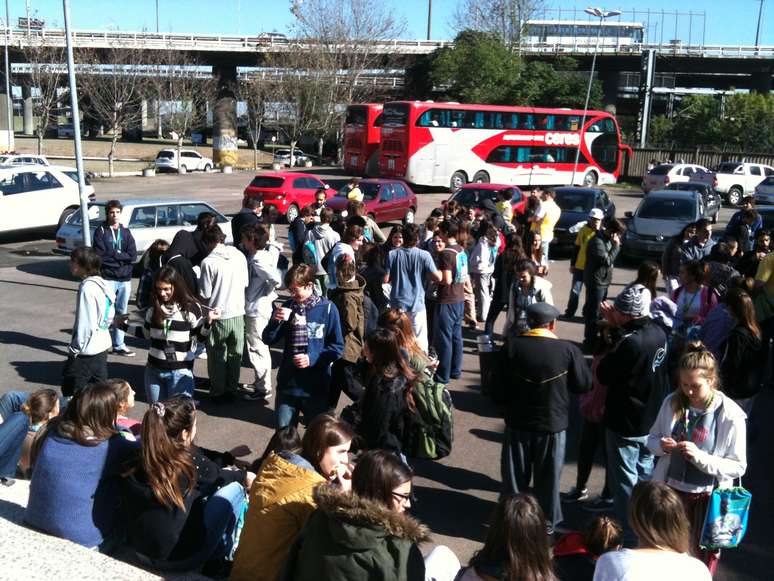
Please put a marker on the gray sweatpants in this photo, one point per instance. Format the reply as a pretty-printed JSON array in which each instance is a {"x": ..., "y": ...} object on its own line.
[{"x": 535, "y": 454}]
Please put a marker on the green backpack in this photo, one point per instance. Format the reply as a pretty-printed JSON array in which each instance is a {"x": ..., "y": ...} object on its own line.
[{"x": 431, "y": 424}]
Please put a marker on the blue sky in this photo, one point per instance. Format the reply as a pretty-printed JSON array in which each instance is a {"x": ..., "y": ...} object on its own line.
[{"x": 726, "y": 22}]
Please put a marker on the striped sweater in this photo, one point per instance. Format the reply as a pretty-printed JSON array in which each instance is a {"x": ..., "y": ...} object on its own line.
[{"x": 179, "y": 330}]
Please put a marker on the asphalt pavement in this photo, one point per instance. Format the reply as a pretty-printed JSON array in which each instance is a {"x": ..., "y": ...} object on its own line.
[{"x": 455, "y": 495}]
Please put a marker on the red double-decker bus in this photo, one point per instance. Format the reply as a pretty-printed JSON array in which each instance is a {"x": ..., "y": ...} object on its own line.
[
  {"x": 450, "y": 144},
  {"x": 361, "y": 138}
]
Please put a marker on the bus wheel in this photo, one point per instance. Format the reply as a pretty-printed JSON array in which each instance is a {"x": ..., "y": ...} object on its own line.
[
  {"x": 481, "y": 177},
  {"x": 457, "y": 180},
  {"x": 590, "y": 179}
]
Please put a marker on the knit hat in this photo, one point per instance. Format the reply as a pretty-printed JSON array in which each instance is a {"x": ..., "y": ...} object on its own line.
[{"x": 634, "y": 300}]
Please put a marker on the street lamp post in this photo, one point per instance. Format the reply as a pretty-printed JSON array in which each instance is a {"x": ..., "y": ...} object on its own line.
[
  {"x": 758, "y": 28},
  {"x": 601, "y": 14},
  {"x": 9, "y": 102}
]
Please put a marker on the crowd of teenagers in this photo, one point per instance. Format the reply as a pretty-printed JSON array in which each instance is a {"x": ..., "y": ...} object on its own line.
[{"x": 379, "y": 318}]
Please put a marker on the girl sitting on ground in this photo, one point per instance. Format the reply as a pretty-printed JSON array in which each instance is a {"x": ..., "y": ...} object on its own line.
[
  {"x": 576, "y": 554},
  {"x": 182, "y": 507},
  {"x": 19, "y": 429},
  {"x": 128, "y": 428}
]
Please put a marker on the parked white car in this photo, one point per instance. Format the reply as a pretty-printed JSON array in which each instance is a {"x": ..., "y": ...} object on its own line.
[
  {"x": 736, "y": 180},
  {"x": 23, "y": 159},
  {"x": 668, "y": 173},
  {"x": 148, "y": 219},
  {"x": 190, "y": 159},
  {"x": 283, "y": 157},
  {"x": 764, "y": 192},
  {"x": 34, "y": 196}
]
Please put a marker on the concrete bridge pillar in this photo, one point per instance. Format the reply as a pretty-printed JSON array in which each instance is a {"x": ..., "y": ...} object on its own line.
[
  {"x": 610, "y": 82},
  {"x": 224, "y": 117},
  {"x": 6, "y": 133},
  {"x": 29, "y": 121},
  {"x": 761, "y": 82}
]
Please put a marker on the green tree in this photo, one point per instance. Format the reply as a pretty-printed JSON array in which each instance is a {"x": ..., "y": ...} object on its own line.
[
  {"x": 478, "y": 69},
  {"x": 661, "y": 130},
  {"x": 556, "y": 84},
  {"x": 748, "y": 122},
  {"x": 697, "y": 122}
]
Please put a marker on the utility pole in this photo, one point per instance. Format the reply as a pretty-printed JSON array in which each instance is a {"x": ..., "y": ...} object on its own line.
[
  {"x": 430, "y": 17},
  {"x": 758, "y": 29},
  {"x": 9, "y": 97},
  {"x": 86, "y": 231}
]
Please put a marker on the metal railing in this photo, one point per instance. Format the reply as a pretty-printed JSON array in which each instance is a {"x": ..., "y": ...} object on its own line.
[{"x": 233, "y": 43}]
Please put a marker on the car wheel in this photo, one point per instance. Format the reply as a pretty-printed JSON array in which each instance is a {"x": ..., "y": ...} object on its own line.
[
  {"x": 207, "y": 167},
  {"x": 65, "y": 214},
  {"x": 481, "y": 177},
  {"x": 182, "y": 169},
  {"x": 457, "y": 180},
  {"x": 590, "y": 180},
  {"x": 292, "y": 213},
  {"x": 409, "y": 217},
  {"x": 735, "y": 195}
]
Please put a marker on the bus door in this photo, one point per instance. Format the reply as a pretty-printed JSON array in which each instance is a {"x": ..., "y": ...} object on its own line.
[{"x": 441, "y": 173}]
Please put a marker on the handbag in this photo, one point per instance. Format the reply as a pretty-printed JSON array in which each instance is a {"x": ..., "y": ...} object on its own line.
[{"x": 726, "y": 521}]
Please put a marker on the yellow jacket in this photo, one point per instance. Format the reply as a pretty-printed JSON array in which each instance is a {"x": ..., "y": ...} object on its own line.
[{"x": 280, "y": 503}]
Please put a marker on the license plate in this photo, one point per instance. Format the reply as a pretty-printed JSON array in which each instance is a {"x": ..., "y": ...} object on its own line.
[
  {"x": 653, "y": 247},
  {"x": 390, "y": 164}
]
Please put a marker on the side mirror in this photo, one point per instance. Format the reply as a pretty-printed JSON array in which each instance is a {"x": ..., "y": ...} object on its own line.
[{"x": 629, "y": 214}]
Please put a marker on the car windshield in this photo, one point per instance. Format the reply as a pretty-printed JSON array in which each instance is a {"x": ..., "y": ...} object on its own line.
[
  {"x": 660, "y": 170},
  {"x": 728, "y": 167},
  {"x": 370, "y": 190},
  {"x": 96, "y": 216},
  {"x": 267, "y": 182},
  {"x": 73, "y": 175},
  {"x": 667, "y": 209},
  {"x": 165, "y": 155},
  {"x": 574, "y": 201},
  {"x": 473, "y": 196}
]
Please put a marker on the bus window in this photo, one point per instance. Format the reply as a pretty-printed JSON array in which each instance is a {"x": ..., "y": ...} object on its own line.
[
  {"x": 527, "y": 122},
  {"x": 356, "y": 115},
  {"x": 378, "y": 120},
  {"x": 395, "y": 114}
]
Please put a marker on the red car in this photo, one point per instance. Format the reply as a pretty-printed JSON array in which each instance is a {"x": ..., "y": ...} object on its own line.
[
  {"x": 471, "y": 195},
  {"x": 385, "y": 200},
  {"x": 288, "y": 192}
]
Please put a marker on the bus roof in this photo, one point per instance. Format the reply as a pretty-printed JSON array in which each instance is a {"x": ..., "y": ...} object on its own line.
[
  {"x": 587, "y": 23},
  {"x": 501, "y": 108}
]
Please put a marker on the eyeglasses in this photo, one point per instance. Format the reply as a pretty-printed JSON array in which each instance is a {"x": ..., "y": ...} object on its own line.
[{"x": 405, "y": 498}]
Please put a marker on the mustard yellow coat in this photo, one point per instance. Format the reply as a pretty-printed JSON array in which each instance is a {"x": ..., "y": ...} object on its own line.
[{"x": 280, "y": 503}]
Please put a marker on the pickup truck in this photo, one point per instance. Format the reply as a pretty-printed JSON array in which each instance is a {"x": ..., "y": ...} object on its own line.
[{"x": 735, "y": 180}]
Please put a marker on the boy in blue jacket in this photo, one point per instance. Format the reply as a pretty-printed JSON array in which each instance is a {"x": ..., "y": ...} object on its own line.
[{"x": 313, "y": 341}]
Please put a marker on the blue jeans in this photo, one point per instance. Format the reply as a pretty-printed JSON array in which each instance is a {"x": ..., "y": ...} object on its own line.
[
  {"x": 11, "y": 402},
  {"x": 12, "y": 433},
  {"x": 161, "y": 384},
  {"x": 628, "y": 462},
  {"x": 447, "y": 339},
  {"x": 123, "y": 290},
  {"x": 575, "y": 291},
  {"x": 289, "y": 407}
]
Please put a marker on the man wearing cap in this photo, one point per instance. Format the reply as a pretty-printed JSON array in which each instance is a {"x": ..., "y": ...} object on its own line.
[
  {"x": 543, "y": 369},
  {"x": 578, "y": 262},
  {"x": 635, "y": 373}
]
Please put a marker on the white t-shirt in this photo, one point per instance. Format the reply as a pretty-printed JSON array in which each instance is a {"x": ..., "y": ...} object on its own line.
[{"x": 629, "y": 565}]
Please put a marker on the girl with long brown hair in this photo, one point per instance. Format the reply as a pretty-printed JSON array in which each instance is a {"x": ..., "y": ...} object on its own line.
[
  {"x": 387, "y": 396},
  {"x": 516, "y": 547},
  {"x": 399, "y": 321},
  {"x": 76, "y": 461},
  {"x": 181, "y": 505},
  {"x": 174, "y": 320},
  {"x": 742, "y": 358},
  {"x": 699, "y": 435},
  {"x": 658, "y": 518}
]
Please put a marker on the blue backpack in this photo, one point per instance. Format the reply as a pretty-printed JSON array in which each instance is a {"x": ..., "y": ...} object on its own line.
[{"x": 462, "y": 273}]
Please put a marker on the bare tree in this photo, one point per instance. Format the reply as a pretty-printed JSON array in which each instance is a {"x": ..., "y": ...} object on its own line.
[
  {"x": 504, "y": 18},
  {"x": 338, "y": 46},
  {"x": 258, "y": 92},
  {"x": 47, "y": 74},
  {"x": 184, "y": 86},
  {"x": 114, "y": 83}
]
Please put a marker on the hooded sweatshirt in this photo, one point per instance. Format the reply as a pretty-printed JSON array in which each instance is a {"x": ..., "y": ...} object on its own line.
[
  {"x": 223, "y": 281},
  {"x": 94, "y": 312},
  {"x": 264, "y": 280},
  {"x": 324, "y": 238},
  {"x": 353, "y": 538}
]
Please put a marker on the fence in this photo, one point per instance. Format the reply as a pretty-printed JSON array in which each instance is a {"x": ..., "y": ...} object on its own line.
[{"x": 637, "y": 164}]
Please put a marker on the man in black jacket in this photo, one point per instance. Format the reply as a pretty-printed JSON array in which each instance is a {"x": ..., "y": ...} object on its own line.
[
  {"x": 601, "y": 252},
  {"x": 116, "y": 248},
  {"x": 543, "y": 369},
  {"x": 249, "y": 215},
  {"x": 635, "y": 373}
]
